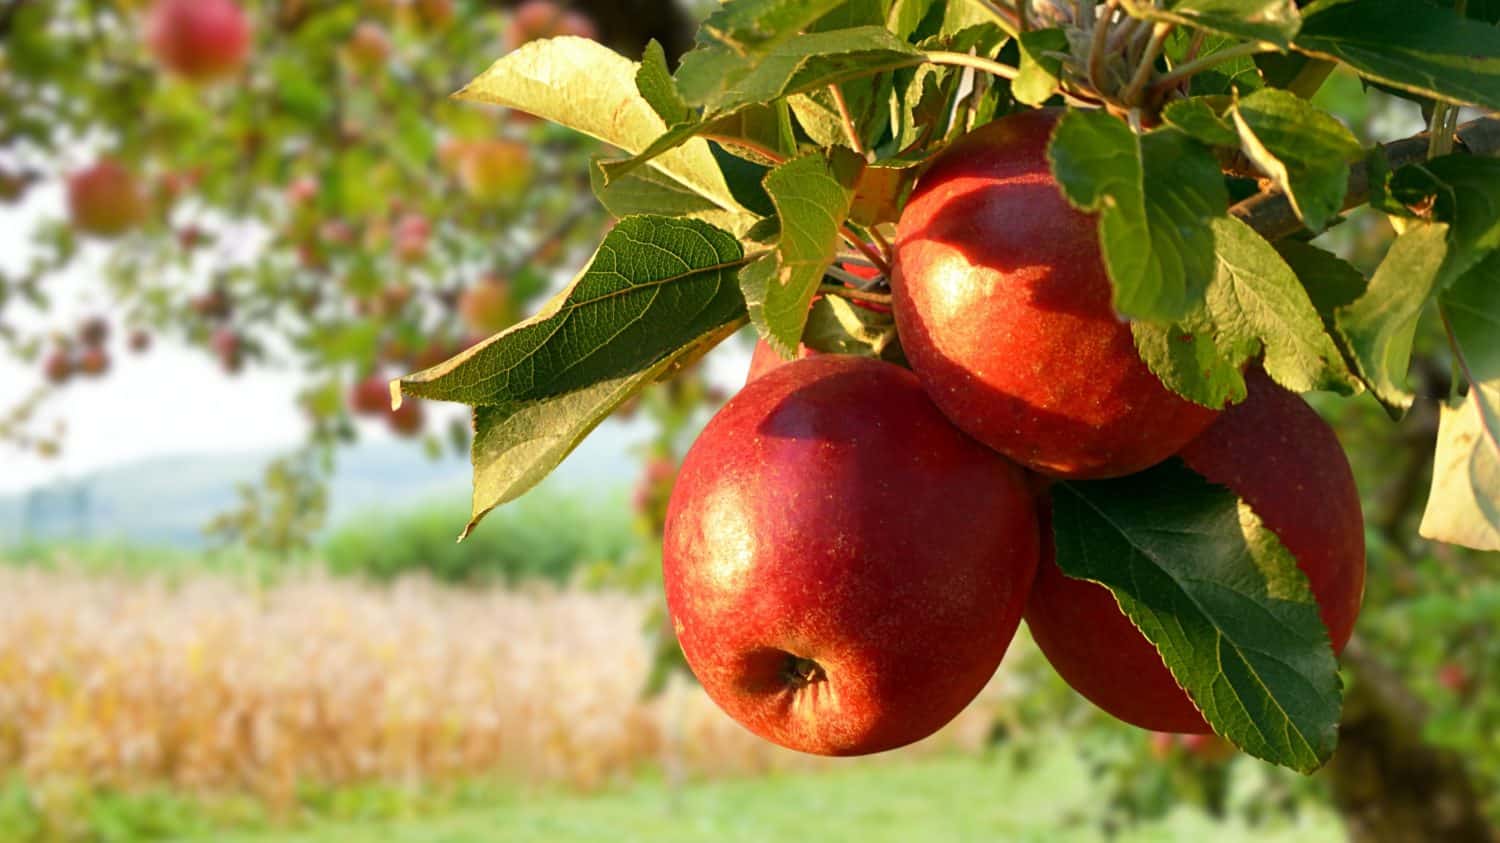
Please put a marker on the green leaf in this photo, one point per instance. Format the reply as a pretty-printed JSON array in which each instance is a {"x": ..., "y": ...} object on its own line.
[
  {"x": 1462, "y": 507},
  {"x": 1412, "y": 45},
  {"x": 588, "y": 87},
  {"x": 649, "y": 192},
  {"x": 812, "y": 195},
  {"x": 1228, "y": 76},
  {"x": 836, "y": 325},
  {"x": 906, "y": 15},
  {"x": 1378, "y": 328},
  {"x": 1223, "y": 601},
  {"x": 1198, "y": 117},
  {"x": 1039, "y": 72},
  {"x": 1155, "y": 196},
  {"x": 517, "y": 445},
  {"x": 1472, "y": 307},
  {"x": 655, "y": 285},
  {"x": 1304, "y": 150},
  {"x": 1272, "y": 21},
  {"x": 1330, "y": 281},
  {"x": 1255, "y": 305},
  {"x": 654, "y": 81},
  {"x": 1463, "y": 191}
]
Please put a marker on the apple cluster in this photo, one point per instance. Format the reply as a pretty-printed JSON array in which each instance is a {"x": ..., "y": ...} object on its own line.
[{"x": 851, "y": 545}]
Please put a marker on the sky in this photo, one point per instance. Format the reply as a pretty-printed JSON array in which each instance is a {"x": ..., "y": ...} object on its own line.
[{"x": 172, "y": 400}]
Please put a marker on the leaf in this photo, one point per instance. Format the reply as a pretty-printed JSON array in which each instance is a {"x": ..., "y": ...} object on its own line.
[
  {"x": 812, "y": 195},
  {"x": 1039, "y": 72},
  {"x": 517, "y": 445},
  {"x": 588, "y": 87},
  {"x": 655, "y": 285},
  {"x": 1154, "y": 195},
  {"x": 882, "y": 191},
  {"x": 1462, "y": 507},
  {"x": 1304, "y": 150},
  {"x": 1408, "y": 44},
  {"x": 650, "y": 192},
  {"x": 1197, "y": 117},
  {"x": 1220, "y": 597},
  {"x": 1472, "y": 308},
  {"x": 1272, "y": 21},
  {"x": 1378, "y": 328},
  {"x": 798, "y": 65},
  {"x": 836, "y": 325},
  {"x": 1463, "y": 191},
  {"x": 1255, "y": 305},
  {"x": 1330, "y": 281},
  {"x": 906, "y": 15},
  {"x": 654, "y": 81}
]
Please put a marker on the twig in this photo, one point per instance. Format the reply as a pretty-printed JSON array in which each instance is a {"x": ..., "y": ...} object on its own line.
[
  {"x": 1147, "y": 65},
  {"x": 1193, "y": 68}
]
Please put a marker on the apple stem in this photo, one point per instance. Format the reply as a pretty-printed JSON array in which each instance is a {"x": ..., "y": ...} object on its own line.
[{"x": 802, "y": 672}]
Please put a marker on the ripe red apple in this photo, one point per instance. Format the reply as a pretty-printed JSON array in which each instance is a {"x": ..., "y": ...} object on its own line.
[
  {"x": 486, "y": 307},
  {"x": 1454, "y": 678},
  {"x": 407, "y": 421},
  {"x": 822, "y": 564},
  {"x": 1278, "y": 455},
  {"x": 105, "y": 199},
  {"x": 200, "y": 40},
  {"x": 140, "y": 341},
  {"x": 58, "y": 367},
  {"x": 229, "y": 347},
  {"x": 537, "y": 19},
  {"x": 93, "y": 331},
  {"x": 1004, "y": 310},
  {"x": 214, "y": 304},
  {"x": 371, "y": 396},
  {"x": 93, "y": 361}
]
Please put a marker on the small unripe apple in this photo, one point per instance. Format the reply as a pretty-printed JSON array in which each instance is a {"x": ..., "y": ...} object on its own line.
[
  {"x": 93, "y": 361},
  {"x": 369, "y": 46},
  {"x": 537, "y": 19},
  {"x": 824, "y": 570},
  {"x": 487, "y": 308},
  {"x": 1004, "y": 309},
  {"x": 200, "y": 40},
  {"x": 59, "y": 366},
  {"x": 407, "y": 420},
  {"x": 105, "y": 199},
  {"x": 1281, "y": 458},
  {"x": 371, "y": 396}
]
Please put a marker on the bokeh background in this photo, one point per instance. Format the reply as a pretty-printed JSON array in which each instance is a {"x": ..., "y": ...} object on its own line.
[{"x": 231, "y": 607}]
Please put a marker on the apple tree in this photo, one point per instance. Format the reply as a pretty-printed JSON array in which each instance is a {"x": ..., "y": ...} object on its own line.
[{"x": 1046, "y": 281}]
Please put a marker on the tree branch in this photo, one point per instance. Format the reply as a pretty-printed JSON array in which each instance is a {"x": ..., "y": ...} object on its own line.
[{"x": 1271, "y": 214}]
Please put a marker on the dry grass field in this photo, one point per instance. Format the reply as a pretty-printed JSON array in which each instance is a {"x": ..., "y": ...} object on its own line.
[{"x": 214, "y": 685}]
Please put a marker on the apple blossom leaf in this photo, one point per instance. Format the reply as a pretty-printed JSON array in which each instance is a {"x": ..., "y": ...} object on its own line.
[
  {"x": 1255, "y": 305},
  {"x": 1155, "y": 195},
  {"x": 1197, "y": 117},
  {"x": 588, "y": 87},
  {"x": 1415, "y": 46},
  {"x": 654, "y": 81},
  {"x": 655, "y": 285},
  {"x": 1040, "y": 67},
  {"x": 836, "y": 325},
  {"x": 1272, "y": 21},
  {"x": 1379, "y": 327},
  {"x": 797, "y": 65},
  {"x": 1303, "y": 149},
  {"x": 1464, "y": 505},
  {"x": 812, "y": 195},
  {"x": 1330, "y": 281},
  {"x": 1219, "y": 596}
]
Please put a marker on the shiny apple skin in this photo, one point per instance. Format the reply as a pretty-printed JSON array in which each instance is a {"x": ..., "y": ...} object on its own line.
[
  {"x": 1003, "y": 306},
  {"x": 1278, "y": 455},
  {"x": 830, "y": 513}
]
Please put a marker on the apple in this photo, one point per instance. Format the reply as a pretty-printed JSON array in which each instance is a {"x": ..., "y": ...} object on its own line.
[
  {"x": 412, "y": 234},
  {"x": 302, "y": 191},
  {"x": 487, "y": 307},
  {"x": 823, "y": 567},
  {"x": 59, "y": 366},
  {"x": 93, "y": 331},
  {"x": 139, "y": 341},
  {"x": 435, "y": 14},
  {"x": 200, "y": 40},
  {"x": 1209, "y": 748},
  {"x": 371, "y": 396},
  {"x": 93, "y": 361},
  {"x": 537, "y": 19},
  {"x": 105, "y": 199},
  {"x": 229, "y": 347},
  {"x": 406, "y": 421},
  {"x": 1454, "y": 678},
  {"x": 214, "y": 304},
  {"x": 1281, "y": 458},
  {"x": 493, "y": 170},
  {"x": 369, "y": 46},
  {"x": 1004, "y": 310}
]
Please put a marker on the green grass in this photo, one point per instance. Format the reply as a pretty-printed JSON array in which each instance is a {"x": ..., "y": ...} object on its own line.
[{"x": 947, "y": 799}]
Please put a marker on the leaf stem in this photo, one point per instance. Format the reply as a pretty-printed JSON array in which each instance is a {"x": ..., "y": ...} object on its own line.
[
  {"x": 849, "y": 128},
  {"x": 1190, "y": 69},
  {"x": 995, "y": 68},
  {"x": 869, "y": 251},
  {"x": 1097, "y": 46},
  {"x": 855, "y": 294},
  {"x": 1147, "y": 66}
]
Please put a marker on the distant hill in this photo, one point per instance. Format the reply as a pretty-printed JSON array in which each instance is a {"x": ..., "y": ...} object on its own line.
[{"x": 167, "y": 500}]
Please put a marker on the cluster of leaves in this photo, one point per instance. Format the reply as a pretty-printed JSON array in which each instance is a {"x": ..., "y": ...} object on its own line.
[{"x": 787, "y": 139}]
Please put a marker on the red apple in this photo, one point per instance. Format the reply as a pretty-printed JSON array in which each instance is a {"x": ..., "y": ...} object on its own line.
[
  {"x": 412, "y": 233},
  {"x": 229, "y": 347},
  {"x": 407, "y": 421},
  {"x": 537, "y": 19},
  {"x": 1004, "y": 310},
  {"x": 1278, "y": 455},
  {"x": 59, "y": 366},
  {"x": 822, "y": 564},
  {"x": 140, "y": 341},
  {"x": 369, "y": 46},
  {"x": 105, "y": 199},
  {"x": 93, "y": 361},
  {"x": 371, "y": 396},
  {"x": 1454, "y": 678},
  {"x": 492, "y": 170},
  {"x": 302, "y": 191},
  {"x": 200, "y": 40},
  {"x": 93, "y": 331}
]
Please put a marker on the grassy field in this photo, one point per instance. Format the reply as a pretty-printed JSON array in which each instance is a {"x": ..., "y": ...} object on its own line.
[{"x": 949, "y": 798}]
